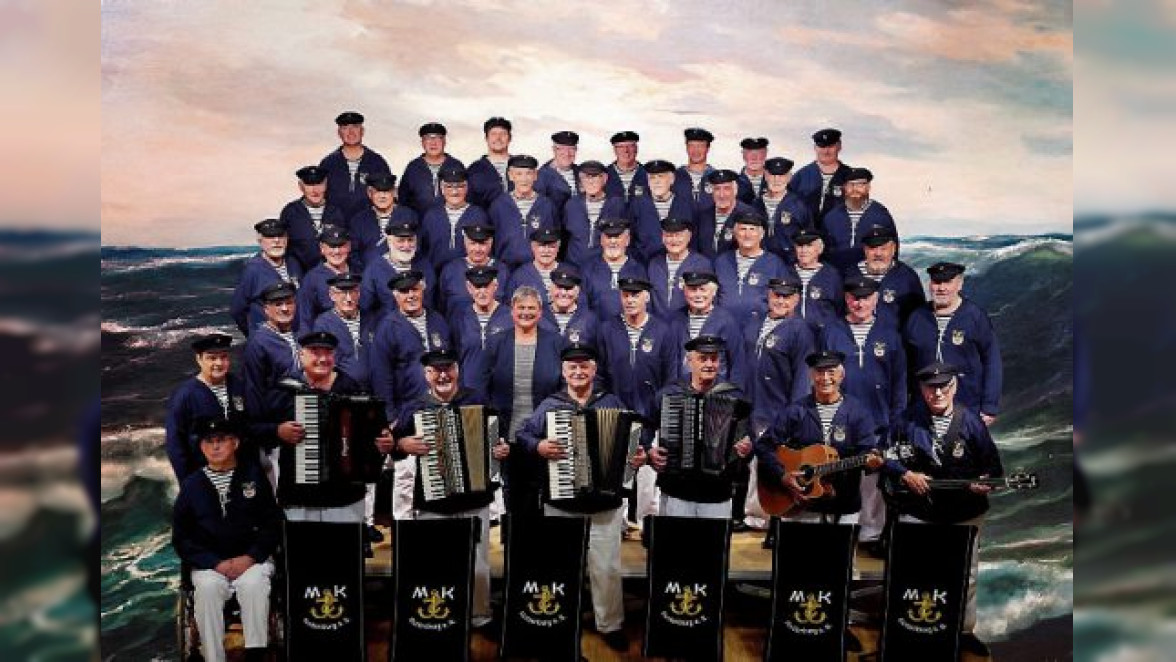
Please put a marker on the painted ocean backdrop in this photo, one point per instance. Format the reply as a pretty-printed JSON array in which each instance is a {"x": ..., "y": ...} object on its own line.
[{"x": 153, "y": 300}]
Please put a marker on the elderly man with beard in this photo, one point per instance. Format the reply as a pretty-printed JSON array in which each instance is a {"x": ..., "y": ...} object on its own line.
[
  {"x": 313, "y": 296},
  {"x": 420, "y": 184},
  {"x": 349, "y": 166},
  {"x": 487, "y": 175},
  {"x": 899, "y": 285},
  {"x": 614, "y": 263},
  {"x": 845, "y": 224},
  {"x": 268, "y": 267},
  {"x": 578, "y": 367},
  {"x": 820, "y": 183},
  {"x": 369, "y": 243},
  {"x": 942, "y": 438},
  {"x": 626, "y": 175},
  {"x": 441, "y": 372},
  {"x": 378, "y": 300},
  {"x": 566, "y": 314},
  {"x": 584, "y": 212},
  {"x": 520, "y": 212},
  {"x": 784, "y": 210},
  {"x": 211, "y": 393},
  {"x": 518, "y": 369},
  {"x": 955, "y": 330},
  {"x": 309, "y": 215}
]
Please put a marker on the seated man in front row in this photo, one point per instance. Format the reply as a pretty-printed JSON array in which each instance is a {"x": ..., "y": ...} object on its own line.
[{"x": 226, "y": 527}]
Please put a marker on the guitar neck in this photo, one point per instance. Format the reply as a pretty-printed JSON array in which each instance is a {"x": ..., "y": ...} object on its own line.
[
  {"x": 842, "y": 465},
  {"x": 958, "y": 483}
]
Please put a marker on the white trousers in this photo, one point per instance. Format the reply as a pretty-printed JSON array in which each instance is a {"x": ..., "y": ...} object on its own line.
[
  {"x": 213, "y": 589},
  {"x": 347, "y": 514},
  {"x": 809, "y": 516},
  {"x": 481, "y": 607},
  {"x": 873, "y": 513},
  {"x": 404, "y": 478},
  {"x": 647, "y": 494},
  {"x": 753, "y": 513},
  {"x": 672, "y": 507},
  {"x": 369, "y": 504},
  {"x": 604, "y": 565},
  {"x": 973, "y": 573}
]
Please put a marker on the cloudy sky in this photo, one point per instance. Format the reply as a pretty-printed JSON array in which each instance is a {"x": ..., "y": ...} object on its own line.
[{"x": 964, "y": 111}]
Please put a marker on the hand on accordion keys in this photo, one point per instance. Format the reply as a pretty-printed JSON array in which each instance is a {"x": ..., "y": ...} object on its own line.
[
  {"x": 639, "y": 458},
  {"x": 743, "y": 447},
  {"x": 551, "y": 449},
  {"x": 658, "y": 457},
  {"x": 413, "y": 445},
  {"x": 291, "y": 432}
]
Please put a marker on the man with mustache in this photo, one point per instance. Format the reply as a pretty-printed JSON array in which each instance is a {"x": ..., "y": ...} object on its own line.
[
  {"x": 901, "y": 291},
  {"x": 369, "y": 243},
  {"x": 378, "y": 300}
]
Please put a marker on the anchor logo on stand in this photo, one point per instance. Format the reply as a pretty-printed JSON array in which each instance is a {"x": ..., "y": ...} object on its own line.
[
  {"x": 810, "y": 613},
  {"x": 686, "y": 604}
]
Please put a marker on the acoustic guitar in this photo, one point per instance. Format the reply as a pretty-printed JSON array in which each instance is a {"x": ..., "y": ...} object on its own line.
[{"x": 810, "y": 465}]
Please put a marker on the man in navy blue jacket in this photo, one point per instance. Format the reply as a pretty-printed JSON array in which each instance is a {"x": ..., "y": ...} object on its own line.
[
  {"x": 953, "y": 329},
  {"x": 482, "y": 317},
  {"x": 752, "y": 180},
  {"x": 578, "y": 367},
  {"x": 313, "y": 296},
  {"x": 875, "y": 374},
  {"x": 271, "y": 265},
  {"x": 899, "y": 285},
  {"x": 584, "y": 212},
  {"x": 712, "y": 224},
  {"x": 400, "y": 338},
  {"x": 702, "y": 317},
  {"x": 845, "y": 224},
  {"x": 369, "y": 241},
  {"x": 520, "y": 212},
  {"x": 441, "y": 224},
  {"x": 559, "y": 178},
  {"x": 420, "y": 184},
  {"x": 478, "y": 242},
  {"x": 690, "y": 179},
  {"x": 441, "y": 372},
  {"x": 349, "y": 166},
  {"x": 566, "y": 312},
  {"x": 271, "y": 355},
  {"x": 694, "y": 493},
  {"x": 226, "y": 526},
  {"x": 941, "y": 438},
  {"x": 626, "y": 175},
  {"x": 820, "y": 298},
  {"x": 647, "y": 212},
  {"x": 488, "y": 174},
  {"x": 820, "y": 183},
  {"x": 210, "y": 393},
  {"x": 826, "y": 416},
  {"x": 402, "y": 256},
  {"x": 784, "y": 210},
  {"x": 309, "y": 215},
  {"x": 666, "y": 266},
  {"x": 615, "y": 262},
  {"x": 346, "y": 321},
  {"x": 776, "y": 348}
]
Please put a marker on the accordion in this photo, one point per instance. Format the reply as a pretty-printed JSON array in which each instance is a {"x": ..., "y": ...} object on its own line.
[
  {"x": 699, "y": 431},
  {"x": 340, "y": 441},
  {"x": 599, "y": 443},
  {"x": 459, "y": 460}
]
